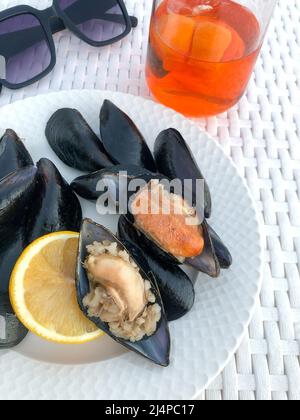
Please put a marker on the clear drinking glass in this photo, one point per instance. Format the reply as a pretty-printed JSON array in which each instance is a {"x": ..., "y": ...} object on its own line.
[{"x": 202, "y": 52}]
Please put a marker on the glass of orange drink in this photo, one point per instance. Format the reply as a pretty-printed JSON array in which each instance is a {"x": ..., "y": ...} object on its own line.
[{"x": 202, "y": 52}]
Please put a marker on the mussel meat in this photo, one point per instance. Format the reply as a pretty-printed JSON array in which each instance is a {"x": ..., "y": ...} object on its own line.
[
  {"x": 55, "y": 207},
  {"x": 13, "y": 154},
  {"x": 75, "y": 143},
  {"x": 176, "y": 288},
  {"x": 86, "y": 186},
  {"x": 175, "y": 160},
  {"x": 171, "y": 229},
  {"x": 115, "y": 294},
  {"x": 16, "y": 196},
  {"x": 122, "y": 139}
]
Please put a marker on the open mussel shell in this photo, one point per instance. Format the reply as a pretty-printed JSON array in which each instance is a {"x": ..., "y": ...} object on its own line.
[
  {"x": 222, "y": 252},
  {"x": 122, "y": 139},
  {"x": 74, "y": 142},
  {"x": 175, "y": 160},
  {"x": 16, "y": 197},
  {"x": 55, "y": 206},
  {"x": 94, "y": 185},
  {"x": 156, "y": 347},
  {"x": 145, "y": 241},
  {"x": 207, "y": 262},
  {"x": 176, "y": 288},
  {"x": 13, "y": 154}
]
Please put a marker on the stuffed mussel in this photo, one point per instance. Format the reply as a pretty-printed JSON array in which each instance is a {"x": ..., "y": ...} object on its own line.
[
  {"x": 175, "y": 160},
  {"x": 176, "y": 288},
  {"x": 122, "y": 139},
  {"x": 13, "y": 154},
  {"x": 74, "y": 142},
  {"x": 170, "y": 227},
  {"x": 115, "y": 294}
]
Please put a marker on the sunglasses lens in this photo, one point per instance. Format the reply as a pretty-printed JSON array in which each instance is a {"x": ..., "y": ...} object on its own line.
[
  {"x": 24, "y": 48},
  {"x": 100, "y": 20}
]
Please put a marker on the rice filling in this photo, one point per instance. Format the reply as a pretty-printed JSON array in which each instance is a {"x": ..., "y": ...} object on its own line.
[{"x": 119, "y": 295}]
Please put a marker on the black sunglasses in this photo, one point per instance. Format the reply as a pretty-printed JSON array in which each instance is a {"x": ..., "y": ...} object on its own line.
[{"x": 27, "y": 51}]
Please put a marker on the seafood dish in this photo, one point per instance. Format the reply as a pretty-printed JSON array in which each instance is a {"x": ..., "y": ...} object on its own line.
[{"x": 131, "y": 284}]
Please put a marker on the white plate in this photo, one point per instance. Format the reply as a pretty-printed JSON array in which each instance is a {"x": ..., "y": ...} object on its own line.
[{"x": 204, "y": 340}]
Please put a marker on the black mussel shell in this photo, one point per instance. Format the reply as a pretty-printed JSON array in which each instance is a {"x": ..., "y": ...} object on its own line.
[
  {"x": 122, "y": 139},
  {"x": 13, "y": 154},
  {"x": 74, "y": 142},
  {"x": 176, "y": 288},
  {"x": 86, "y": 186},
  {"x": 12, "y": 332},
  {"x": 55, "y": 207},
  {"x": 207, "y": 262},
  {"x": 155, "y": 348},
  {"x": 222, "y": 252},
  {"x": 16, "y": 197},
  {"x": 175, "y": 160}
]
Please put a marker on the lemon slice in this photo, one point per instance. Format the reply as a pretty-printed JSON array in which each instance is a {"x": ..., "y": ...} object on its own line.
[{"x": 43, "y": 292}]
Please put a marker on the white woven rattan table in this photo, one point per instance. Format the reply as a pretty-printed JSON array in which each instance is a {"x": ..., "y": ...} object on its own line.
[{"x": 262, "y": 135}]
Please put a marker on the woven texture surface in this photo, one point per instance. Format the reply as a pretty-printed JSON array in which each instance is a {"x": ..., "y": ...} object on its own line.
[{"x": 261, "y": 134}]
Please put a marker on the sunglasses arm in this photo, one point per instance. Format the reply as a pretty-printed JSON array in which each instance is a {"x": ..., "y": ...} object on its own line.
[{"x": 134, "y": 21}]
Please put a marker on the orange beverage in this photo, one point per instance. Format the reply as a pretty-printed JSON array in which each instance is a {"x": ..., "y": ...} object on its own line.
[{"x": 201, "y": 54}]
